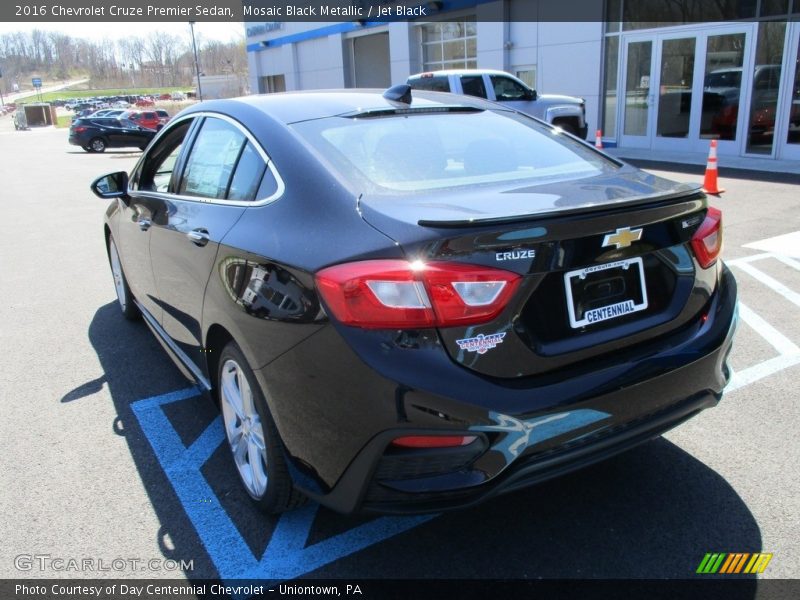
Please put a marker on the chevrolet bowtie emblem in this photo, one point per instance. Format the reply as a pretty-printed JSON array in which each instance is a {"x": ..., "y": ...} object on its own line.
[{"x": 622, "y": 238}]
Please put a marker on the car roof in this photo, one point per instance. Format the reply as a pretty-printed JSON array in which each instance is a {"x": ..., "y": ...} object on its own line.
[{"x": 291, "y": 107}]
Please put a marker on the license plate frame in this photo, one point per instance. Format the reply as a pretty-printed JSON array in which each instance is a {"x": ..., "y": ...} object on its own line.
[{"x": 611, "y": 311}]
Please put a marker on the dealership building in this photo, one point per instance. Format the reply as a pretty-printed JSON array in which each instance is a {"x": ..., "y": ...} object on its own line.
[{"x": 655, "y": 75}]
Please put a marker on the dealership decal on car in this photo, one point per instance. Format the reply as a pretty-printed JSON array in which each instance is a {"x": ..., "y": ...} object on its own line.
[
  {"x": 481, "y": 343},
  {"x": 609, "y": 312}
]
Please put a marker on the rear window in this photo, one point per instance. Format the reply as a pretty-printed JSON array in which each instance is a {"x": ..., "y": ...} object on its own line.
[
  {"x": 434, "y": 151},
  {"x": 437, "y": 83}
]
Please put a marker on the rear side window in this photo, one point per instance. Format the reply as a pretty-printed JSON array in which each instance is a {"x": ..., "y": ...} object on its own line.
[
  {"x": 473, "y": 85},
  {"x": 210, "y": 165},
  {"x": 431, "y": 84},
  {"x": 249, "y": 172}
]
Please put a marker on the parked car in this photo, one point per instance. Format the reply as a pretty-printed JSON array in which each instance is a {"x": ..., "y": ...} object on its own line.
[
  {"x": 148, "y": 118},
  {"x": 20, "y": 119},
  {"x": 410, "y": 303},
  {"x": 95, "y": 134},
  {"x": 120, "y": 104},
  {"x": 178, "y": 96},
  {"x": 109, "y": 112},
  {"x": 566, "y": 112},
  {"x": 163, "y": 116},
  {"x": 145, "y": 101},
  {"x": 82, "y": 113}
]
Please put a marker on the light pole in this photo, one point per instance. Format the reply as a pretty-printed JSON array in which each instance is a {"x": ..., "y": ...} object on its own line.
[{"x": 196, "y": 65}]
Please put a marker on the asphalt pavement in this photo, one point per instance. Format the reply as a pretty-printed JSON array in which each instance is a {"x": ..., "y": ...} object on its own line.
[{"x": 109, "y": 454}]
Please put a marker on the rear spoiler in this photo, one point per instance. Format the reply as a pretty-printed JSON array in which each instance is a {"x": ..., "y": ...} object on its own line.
[{"x": 686, "y": 192}]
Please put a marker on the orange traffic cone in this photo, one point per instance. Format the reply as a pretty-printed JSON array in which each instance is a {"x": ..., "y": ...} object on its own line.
[
  {"x": 598, "y": 139},
  {"x": 710, "y": 185}
]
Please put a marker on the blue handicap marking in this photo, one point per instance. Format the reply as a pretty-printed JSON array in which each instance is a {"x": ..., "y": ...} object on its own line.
[{"x": 286, "y": 555}]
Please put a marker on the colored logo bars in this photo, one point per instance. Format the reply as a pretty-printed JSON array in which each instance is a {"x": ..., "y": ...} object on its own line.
[{"x": 732, "y": 563}]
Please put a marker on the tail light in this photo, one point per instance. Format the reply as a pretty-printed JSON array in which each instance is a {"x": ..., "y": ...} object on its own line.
[
  {"x": 397, "y": 294},
  {"x": 707, "y": 240},
  {"x": 79, "y": 129}
]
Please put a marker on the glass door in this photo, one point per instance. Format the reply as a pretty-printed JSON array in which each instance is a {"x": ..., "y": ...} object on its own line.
[
  {"x": 789, "y": 130},
  {"x": 684, "y": 88},
  {"x": 723, "y": 90},
  {"x": 676, "y": 102},
  {"x": 637, "y": 103}
]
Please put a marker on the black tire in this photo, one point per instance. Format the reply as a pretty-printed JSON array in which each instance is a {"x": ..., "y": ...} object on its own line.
[
  {"x": 97, "y": 144},
  {"x": 124, "y": 296},
  {"x": 278, "y": 494}
]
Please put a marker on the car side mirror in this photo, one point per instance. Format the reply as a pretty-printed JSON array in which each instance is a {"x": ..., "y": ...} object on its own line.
[
  {"x": 530, "y": 95},
  {"x": 113, "y": 185}
]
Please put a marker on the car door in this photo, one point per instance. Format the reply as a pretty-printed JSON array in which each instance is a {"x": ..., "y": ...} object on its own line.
[
  {"x": 149, "y": 184},
  {"x": 510, "y": 92},
  {"x": 191, "y": 221}
]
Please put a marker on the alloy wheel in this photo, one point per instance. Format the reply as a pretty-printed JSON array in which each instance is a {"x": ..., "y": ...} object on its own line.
[{"x": 243, "y": 428}]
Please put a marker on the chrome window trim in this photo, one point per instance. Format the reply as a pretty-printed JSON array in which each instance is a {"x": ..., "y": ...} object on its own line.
[{"x": 281, "y": 187}]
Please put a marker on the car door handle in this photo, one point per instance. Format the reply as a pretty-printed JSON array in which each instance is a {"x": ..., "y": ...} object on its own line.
[
  {"x": 198, "y": 237},
  {"x": 144, "y": 224}
]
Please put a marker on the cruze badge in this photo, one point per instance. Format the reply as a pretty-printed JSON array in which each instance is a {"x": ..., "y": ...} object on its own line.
[
  {"x": 481, "y": 343},
  {"x": 515, "y": 255},
  {"x": 622, "y": 238}
]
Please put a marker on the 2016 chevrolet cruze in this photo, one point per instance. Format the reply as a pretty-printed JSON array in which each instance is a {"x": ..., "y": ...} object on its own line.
[{"x": 409, "y": 304}]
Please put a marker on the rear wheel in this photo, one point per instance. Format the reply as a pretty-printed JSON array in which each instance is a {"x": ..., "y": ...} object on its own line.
[
  {"x": 124, "y": 296},
  {"x": 252, "y": 436},
  {"x": 97, "y": 145}
]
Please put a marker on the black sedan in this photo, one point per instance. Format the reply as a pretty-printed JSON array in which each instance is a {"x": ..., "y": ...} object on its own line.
[
  {"x": 409, "y": 304},
  {"x": 95, "y": 134}
]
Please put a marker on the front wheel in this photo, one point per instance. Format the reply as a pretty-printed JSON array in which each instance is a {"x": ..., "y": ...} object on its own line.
[
  {"x": 252, "y": 436},
  {"x": 124, "y": 297}
]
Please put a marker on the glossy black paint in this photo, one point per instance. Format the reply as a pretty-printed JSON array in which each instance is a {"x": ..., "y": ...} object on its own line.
[{"x": 340, "y": 394}]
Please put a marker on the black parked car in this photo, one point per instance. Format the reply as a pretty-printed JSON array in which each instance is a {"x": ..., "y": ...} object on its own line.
[
  {"x": 408, "y": 304},
  {"x": 95, "y": 134}
]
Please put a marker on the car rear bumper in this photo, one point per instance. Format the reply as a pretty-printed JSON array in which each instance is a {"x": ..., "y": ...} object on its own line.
[{"x": 527, "y": 430}]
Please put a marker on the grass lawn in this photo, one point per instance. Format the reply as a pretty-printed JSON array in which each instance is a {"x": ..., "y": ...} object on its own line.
[{"x": 68, "y": 93}]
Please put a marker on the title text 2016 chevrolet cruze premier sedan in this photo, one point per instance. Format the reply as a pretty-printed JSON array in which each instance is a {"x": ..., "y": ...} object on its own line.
[{"x": 409, "y": 304}]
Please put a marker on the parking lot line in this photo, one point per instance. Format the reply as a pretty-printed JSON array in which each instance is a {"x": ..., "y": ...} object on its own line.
[
  {"x": 287, "y": 555},
  {"x": 783, "y": 245},
  {"x": 770, "y": 282},
  {"x": 788, "y": 351}
]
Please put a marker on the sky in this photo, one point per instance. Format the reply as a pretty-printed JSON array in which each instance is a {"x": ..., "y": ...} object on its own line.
[{"x": 223, "y": 32}]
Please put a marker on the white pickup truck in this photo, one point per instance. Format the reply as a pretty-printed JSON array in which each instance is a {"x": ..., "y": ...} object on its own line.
[{"x": 566, "y": 112}]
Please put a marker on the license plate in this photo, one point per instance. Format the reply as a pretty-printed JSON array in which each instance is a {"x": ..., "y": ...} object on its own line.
[{"x": 603, "y": 292}]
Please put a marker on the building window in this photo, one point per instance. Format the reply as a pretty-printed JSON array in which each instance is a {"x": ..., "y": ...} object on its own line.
[
  {"x": 450, "y": 45},
  {"x": 527, "y": 75},
  {"x": 271, "y": 83}
]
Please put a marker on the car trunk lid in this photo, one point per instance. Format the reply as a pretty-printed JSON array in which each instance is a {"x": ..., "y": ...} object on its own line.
[{"x": 606, "y": 263}]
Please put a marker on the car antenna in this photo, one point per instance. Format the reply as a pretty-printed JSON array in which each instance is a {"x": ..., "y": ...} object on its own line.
[{"x": 399, "y": 93}]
